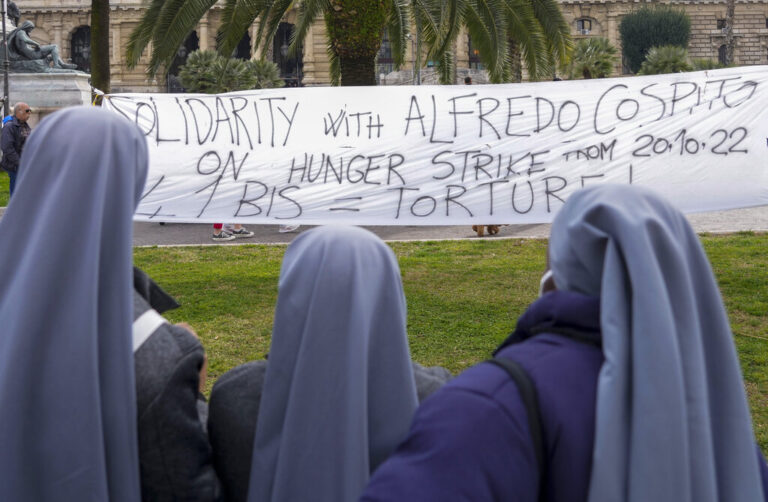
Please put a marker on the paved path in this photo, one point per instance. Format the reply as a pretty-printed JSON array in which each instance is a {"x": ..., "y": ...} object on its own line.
[
  {"x": 179, "y": 234},
  {"x": 173, "y": 234}
]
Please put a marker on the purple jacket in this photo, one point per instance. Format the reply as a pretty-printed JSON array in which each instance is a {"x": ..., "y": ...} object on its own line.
[{"x": 471, "y": 441}]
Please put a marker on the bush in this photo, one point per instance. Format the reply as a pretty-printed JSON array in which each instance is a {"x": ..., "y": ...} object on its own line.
[
  {"x": 652, "y": 27},
  {"x": 208, "y": 72},
  {"x": 592, "y": 58},
  {"x": 666, "y": 59},
  {"x": 706, "y": 64},
  {"x": 266, "y": 73}
]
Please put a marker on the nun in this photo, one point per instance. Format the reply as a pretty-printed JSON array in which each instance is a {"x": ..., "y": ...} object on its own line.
[
  {"x": 338, "y": 391},
  {"x": 69, "y": 429},
  {"x": 68, "y": 415},
  {"x": 620, "y": 383}
]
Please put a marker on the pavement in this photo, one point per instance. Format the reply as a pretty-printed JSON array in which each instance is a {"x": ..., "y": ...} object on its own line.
[
  {"x": 192, "y": 234},
  {"x": 185, "y": 234}
]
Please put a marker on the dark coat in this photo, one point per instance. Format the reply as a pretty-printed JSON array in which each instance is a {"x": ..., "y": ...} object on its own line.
[
  {"x": 174, "y": 453},
  {"x": 234, "y": 411},
  {"x": 471, "y": 440},
  {"x": 13, "y": 137}
]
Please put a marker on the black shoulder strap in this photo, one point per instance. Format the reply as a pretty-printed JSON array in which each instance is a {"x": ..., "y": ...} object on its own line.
[{"x": 531, "y": 401}]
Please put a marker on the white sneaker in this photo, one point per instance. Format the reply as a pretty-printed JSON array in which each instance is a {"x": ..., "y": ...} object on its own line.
[
  {"x": 223, "y": 236},
  {"x": 284, "y": 229},
  {"x": 241, "y": 232}
]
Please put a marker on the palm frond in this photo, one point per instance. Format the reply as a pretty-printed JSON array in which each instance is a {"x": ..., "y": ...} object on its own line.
[
  {"x": 526, "y": 31},
  {"x": 237, "y": 17},
  {"x": 334, "y": 61},
  {"x": 554, "y": 27},
  {"x": 142, "y": 34},
  {"x": 270, "y": 20},
  {"x": 175, "y": 21},
  {"x": 446, "y": 68},
  {"x": 486, "y": 25},
  {"x": 397, "y": 28},
  {"x": 309, "y": 12},
  {"x": 438, "y": 24}
]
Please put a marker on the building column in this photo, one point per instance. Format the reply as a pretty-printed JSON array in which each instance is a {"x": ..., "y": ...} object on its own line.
[
  {"x": 117, "y": 53},
  {"x": 308, "y": 57},
  {"x": 612, "y": 34},
  {"x": 116, "y": 58},
  {"x": 204, "y": 33},
  {"x": 462, "y": 49},
  {"x": 252, "y": 31},
  {"x": 57, "y": 40}
]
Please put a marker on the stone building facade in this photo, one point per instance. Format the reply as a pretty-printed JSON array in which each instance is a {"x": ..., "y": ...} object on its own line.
[
  {"x": 602, "y": 18},
  {"x": 65, "y": 23}
]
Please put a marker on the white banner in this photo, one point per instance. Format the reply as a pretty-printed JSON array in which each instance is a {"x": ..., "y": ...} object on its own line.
[{"x": 449, "y": 155}]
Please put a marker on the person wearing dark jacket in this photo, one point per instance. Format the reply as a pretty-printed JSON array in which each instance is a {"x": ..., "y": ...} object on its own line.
[
  {"x": 339, "y": 388},
  {"x": 14, "y": 136},
  {"x": 174, "y": 453},
  {"x": 634, "y": 390},
  {"x": 234, "y": 414}
]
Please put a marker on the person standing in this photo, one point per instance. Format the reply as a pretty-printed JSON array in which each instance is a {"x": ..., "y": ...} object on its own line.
[{"x": 14, "y": 135}]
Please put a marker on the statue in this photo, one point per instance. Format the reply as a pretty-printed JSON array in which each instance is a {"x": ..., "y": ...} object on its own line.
[
  {"x": 14, "y": 13},
  {"x": 27, "y": 56}
]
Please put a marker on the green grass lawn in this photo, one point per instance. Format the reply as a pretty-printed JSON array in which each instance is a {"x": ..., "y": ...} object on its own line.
[
  {"x": 463, "y": 299},
  {"x": 4, "y": 182}
]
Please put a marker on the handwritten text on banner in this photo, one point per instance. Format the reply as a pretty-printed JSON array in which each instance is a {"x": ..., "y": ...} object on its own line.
[{"x": 446, "y": 155}]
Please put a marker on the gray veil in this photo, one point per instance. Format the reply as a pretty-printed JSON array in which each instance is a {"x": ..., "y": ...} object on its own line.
[
  {"x": 68, "y": 412},
  {"x": 672, "y": 422},
  {"x": 339, "y": 391}
]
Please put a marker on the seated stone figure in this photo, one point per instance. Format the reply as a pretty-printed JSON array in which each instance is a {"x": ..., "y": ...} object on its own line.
[{"x": 26, "y": 55}]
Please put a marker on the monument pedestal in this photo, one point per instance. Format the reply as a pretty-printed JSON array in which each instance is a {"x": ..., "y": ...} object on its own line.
[{"x": 47, "y": 92}]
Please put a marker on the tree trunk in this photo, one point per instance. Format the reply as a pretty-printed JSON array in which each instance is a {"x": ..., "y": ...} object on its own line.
[
  {"x": 353, "y": 28},
  {"x": 358, "y": 71},
  {"x": 100, "y": 44},
  {"x": 730, "y": 41},
  {"x": 516, "y": 59}
]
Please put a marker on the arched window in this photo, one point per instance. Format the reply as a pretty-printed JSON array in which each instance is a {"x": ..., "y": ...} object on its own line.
[
  {"x": 243, "y": 49},
  {"x": 191, "y": 44},
  {"x": 474, "y": 56},
  {"x": 721, "y": 53},
  {"x": 81, "y": 48},
  {"x": 290, "y": 67},
  {"x": 384, "y": 62},
  {"x": 583, "y": 26}
]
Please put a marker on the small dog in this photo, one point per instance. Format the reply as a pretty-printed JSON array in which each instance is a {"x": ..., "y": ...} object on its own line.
[{"x": 480, "y": 229}]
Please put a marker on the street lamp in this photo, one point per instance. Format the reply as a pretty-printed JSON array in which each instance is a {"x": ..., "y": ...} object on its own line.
[
  {"x": 86, "y": 54},
  {"x": 284, "y": 53}
]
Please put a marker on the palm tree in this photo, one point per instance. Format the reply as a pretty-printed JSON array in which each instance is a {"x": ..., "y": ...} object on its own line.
[
  {"x": 665, "y": 59},
  {"x": 592, "y": 58},
  {"x": 538, "y": 34},
  {"x": 100, "y": 44},
  {"x": 266, "y": 74},
  {"x": 354, "y": 29},
  {"x": 730, "y": 40}
]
